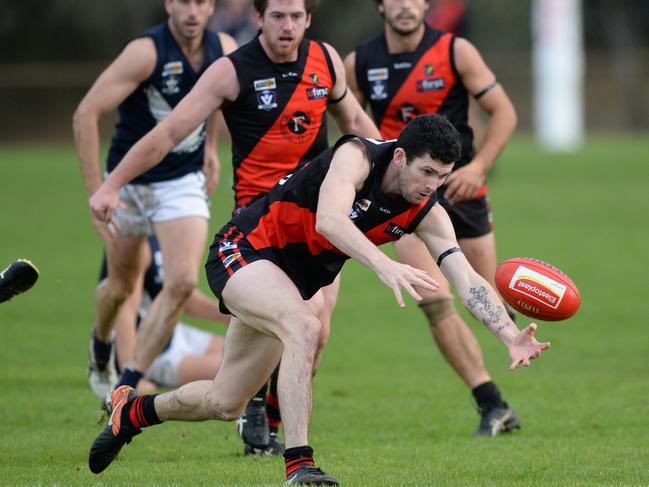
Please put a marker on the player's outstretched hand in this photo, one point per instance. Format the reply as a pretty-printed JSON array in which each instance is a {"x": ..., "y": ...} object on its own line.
[
  {"x": 525, "y": 347},
  {"x": 399, "y": 276}
]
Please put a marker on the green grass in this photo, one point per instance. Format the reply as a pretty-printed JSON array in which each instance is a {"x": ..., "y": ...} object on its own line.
[{"x": 388, "y": 410}]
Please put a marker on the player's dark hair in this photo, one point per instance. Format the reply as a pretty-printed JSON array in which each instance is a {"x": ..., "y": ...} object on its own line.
[
  {"x": 309, "y": 6},
  {"x": 431, "y": 134}
]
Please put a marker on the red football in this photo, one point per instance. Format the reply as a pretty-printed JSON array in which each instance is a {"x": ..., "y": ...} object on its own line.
[{"x": 537, "y": 289}]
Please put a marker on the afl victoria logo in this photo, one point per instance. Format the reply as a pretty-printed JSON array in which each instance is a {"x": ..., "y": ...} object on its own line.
[{"x": 296, "y": 127}]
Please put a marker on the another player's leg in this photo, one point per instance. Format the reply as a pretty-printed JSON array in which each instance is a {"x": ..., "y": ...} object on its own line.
[
  {"x": 18, "y": 277},
  {"x": 496, "y": 415},
  {"x": 125, "y": 256},
  {"x": 249, "y": 355},
  {"x": 182, "y": 242},
  {"x": 451, "y": 333}
]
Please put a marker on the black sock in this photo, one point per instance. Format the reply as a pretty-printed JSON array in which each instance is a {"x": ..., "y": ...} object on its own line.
[
  {"x": 130, "y": 377},
  {"x": 296, "y": 457},
  {"x": 101, "y": 350},
  {"x": 487, "y": 396},
  {"x": 140, "y": 412}
]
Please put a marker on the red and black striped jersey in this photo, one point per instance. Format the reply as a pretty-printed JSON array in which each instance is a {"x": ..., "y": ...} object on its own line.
[
  {"x": 401, "y": 86},
  {"x": 278, "y": 120},
  {"x": 281, "y": 225}
]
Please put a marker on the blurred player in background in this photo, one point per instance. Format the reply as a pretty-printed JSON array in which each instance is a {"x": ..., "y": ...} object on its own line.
[
  {"x": 150, "y": 77},
  {"x": 16, "y": 278},
  {"x": 411, "y": 69},
  {"x": 191, "y": 354}
]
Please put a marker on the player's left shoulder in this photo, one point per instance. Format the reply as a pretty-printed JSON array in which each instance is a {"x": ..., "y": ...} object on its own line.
[{"x": 228, "y": 44}]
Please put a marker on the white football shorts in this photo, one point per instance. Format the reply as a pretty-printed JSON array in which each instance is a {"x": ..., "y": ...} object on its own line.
[
  {"x": 162, "y": 201},
  {"x": 186, "y": 341}
]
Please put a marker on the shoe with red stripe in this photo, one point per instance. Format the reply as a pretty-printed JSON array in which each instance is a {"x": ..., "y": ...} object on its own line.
[
  {"x": 115, "y": 435},
  {"x": 310, "y": 475}
]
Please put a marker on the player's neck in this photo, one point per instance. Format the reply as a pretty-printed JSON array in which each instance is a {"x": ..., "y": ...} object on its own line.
[
  {"x": 398, "y": 43},
  {"x": 192, "y": 48}
]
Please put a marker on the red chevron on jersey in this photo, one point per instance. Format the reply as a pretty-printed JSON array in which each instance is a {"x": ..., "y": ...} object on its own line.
[
  {"x": 423, "y": 91},
  {"x": 284, "y": 145}
]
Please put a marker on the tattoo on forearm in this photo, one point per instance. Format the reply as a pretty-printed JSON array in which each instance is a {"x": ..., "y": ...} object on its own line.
[{"x": 482, "y": 306}]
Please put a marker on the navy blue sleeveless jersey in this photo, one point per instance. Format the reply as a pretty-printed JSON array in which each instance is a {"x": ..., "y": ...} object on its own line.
[
  {"x": 172, "y": 78},
  {"x": 281, "y": 225},
  {"x": 401, "y": 86}
]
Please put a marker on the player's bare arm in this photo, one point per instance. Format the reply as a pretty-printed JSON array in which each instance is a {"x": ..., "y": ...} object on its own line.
[
  {"x": 436, "y": 230},
  {"x": 348, "y": 113},
  {"x": 134, "y": 65},
  {"x": 352, "y": 82},
  {"x": 481, "y": 83},
  {"x": 349, "y": 168},
  {"x": 211, "y": 162},
  {"x": 217, "y": 84}
]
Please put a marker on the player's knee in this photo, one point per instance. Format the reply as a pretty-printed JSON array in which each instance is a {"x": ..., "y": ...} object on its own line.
[
  {"x": 438, "y": 308},
  {"x": 223, "y": 408},
  {"x": 304, "y": 335},
  {"x": 181, "y": 287},
  {"x": 117, "y": 291}
]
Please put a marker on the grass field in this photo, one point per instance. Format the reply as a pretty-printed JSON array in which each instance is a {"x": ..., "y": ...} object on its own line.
[{"x": 387, "y": 409}]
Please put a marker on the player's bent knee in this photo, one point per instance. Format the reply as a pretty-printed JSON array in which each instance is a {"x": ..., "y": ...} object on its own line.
[
  {"x": 181, "y": 288},
  {"x": 438, "y": 308},
  {"x": 303, "y": 335},
  {"x": 223, "y": 409}
]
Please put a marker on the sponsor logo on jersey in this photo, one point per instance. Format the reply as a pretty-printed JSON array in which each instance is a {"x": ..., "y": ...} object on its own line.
[
  {"x": 266, "y": 100},
  {"x": 227, "y": 245},
  {"x": 385, "y": 210},
  {"x": 429, "y": 70},
  {"x": 231, "y": 259},
  {"x": 358, "y": 208},
  {"x": 394, "y": 230},
  {"x": 290, "y": 74},
  {"x": 537, "y": 286},
  {"x": 174, "y": 67},
  {"x": 434, "y": 84},
  {"x": 317, "y": 92},
  {"x": 377, "y": 74},
  {"x": 265, "y": 84},
  {"x": 404, "y": 65},
  {"x": 171, "y": 75},
  {"x": 314, "y": 78}
]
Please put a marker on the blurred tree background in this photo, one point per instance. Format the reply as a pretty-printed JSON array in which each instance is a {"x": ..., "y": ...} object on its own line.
[{"x": 51, "y": 51}]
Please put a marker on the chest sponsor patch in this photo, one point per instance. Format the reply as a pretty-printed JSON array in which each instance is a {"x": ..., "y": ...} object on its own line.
[
  {"x": 317, "y": 92},
  {"x": 434, "y": 84},
  {"x": 265, "y": 84},
  {"x": 377, "y": 74},
  {"x": 359, "y": 208},
  {"x": 429, "y": 70},
  {"x": 394, "y": 230},
  {"x": 174, "y": 67},
  {"x": 404, "y": 65}
]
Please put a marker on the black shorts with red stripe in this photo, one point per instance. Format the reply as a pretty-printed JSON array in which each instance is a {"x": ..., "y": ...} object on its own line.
[{"x": 229, "y": 252}]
